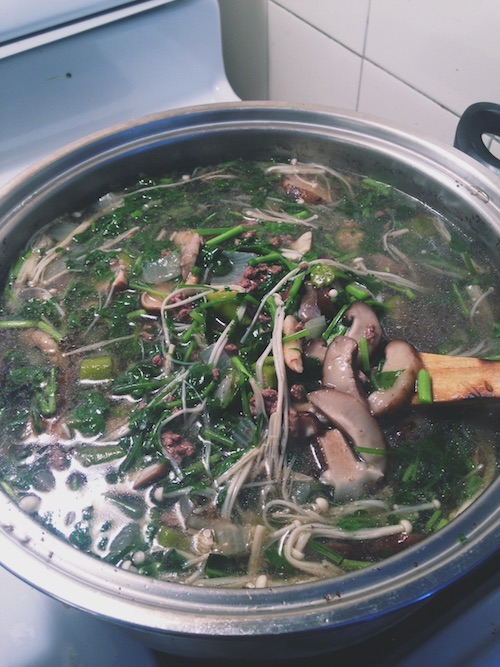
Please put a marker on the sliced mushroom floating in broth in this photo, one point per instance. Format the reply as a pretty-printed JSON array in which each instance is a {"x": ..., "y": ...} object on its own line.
[{"x": 210, "y": 379}]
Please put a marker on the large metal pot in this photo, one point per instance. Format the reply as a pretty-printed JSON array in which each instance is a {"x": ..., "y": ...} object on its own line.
[{"x": 288, "y": 621}]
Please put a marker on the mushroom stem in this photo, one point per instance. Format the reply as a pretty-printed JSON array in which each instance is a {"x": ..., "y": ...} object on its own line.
[
  {"x": 354, "y": 420},
  {"x": 189, "y": 244},
  {"x": 350, "y": 476}
]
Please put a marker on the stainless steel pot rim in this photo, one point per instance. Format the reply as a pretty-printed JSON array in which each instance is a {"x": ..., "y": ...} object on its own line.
[
  {"x": 73, "y": 577},
  {"x": 28, "y": 550},
  {"x": 353, "y": 127}
]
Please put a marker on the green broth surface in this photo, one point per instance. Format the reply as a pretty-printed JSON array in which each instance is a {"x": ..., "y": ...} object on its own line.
[{"x": 162, "y": 355}]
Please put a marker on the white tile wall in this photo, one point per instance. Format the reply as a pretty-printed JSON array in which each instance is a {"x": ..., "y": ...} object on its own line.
[
  {"x": 343, "y": 21},
  {"x": 445, "y": 49},
  {"x": 418, "y": 63},
  {"x": 296, "y": 74},
  {"x": 400, "y": 104}
]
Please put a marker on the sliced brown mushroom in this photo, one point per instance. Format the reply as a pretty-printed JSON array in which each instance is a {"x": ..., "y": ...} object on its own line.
[
  {"x": 298, "y": 248},
  {"x": 308, "y": 191},
  {"x": 119, "y": 268},
  {"x": 399, "y": 356},
  {"x": 189, "y": 244},
  {"x": 309, "y": 308},
  {"x": 46, "y": 344},
  {"x": 364, "y": 323},
  {"x": 150, "y": 474},
  {"x": 350, "y": 476},
  {"x": 316, "y": 349},
  {"x": 309, "y": 424},
  {"x": 355, "y": 420},
  {"x": 339, "y": 367},
  {"x": 153, "y": 302}
]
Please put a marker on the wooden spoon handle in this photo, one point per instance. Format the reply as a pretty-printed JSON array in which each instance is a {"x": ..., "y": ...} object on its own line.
[{"x": 461, "y": 378}]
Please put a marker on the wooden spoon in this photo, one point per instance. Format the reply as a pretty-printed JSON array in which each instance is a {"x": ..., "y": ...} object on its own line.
[{"x": 461, "y": 378}]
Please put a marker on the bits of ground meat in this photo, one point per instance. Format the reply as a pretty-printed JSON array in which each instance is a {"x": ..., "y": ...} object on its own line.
[
  {"x": 231, "y": 349},
  {"x": 349, "y": 236},
  {"x": 246, "y": 236},
  {"x": 254, "y": 276},
  {"x": 281, "y": 241},
  {"x": 148, "y": 332},
  {"x": 176, "y": 446},
  {"x": 183, "y": 313},
  {"x": 270, "y": 397},
  {"x": 298, "y": 392}
]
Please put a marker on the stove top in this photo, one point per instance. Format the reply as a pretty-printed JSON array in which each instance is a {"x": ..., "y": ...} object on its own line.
[
  {"x": 107, "y": 69},
  {"x": 458, "y": 627}
]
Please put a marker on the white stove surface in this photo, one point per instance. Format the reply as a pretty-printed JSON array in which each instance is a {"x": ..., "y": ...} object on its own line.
[
  {"x": 37, "y": 631},
  {"x": 101, "y": 72},
  {"x": 21, "y": 23}
]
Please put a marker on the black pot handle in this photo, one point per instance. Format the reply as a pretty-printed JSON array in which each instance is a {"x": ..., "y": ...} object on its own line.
[{"x": 477, "y": 120}]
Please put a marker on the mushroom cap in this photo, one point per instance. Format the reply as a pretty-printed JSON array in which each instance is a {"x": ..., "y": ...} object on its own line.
[
  {"x": 364, "y": 323},
  {"x": 153, "y": 302},
  {"x": 355, "y": 421},
  {"x": 350, "y": 476},
  {"x": 399, "y": 356},
  {"x": 339, "y": 367}
]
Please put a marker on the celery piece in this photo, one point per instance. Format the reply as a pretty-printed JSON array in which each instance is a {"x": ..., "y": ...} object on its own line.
[
  {"x": 269, "y": 378},
  {"x": 337, "y": 558},
  {"x": 224, "y": 303},
  {"x": 95, "y": 369},
  {"x": 32, "y": 324},
  {"x": 336, "y": 328},
  {"x": 293, "y": 294},
  {"x": 169, "y": 538},
  {"x": 214, "y": 436},
  {"x": 271, "y": 257},
  {"x": 239, "y": 366},
  {"x": 302, "y": 333},
  {"x": 424, "y": 387}
]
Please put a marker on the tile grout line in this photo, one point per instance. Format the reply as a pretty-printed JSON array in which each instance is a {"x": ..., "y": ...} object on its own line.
[
  {"x": 364, "y": 60},
  {"x": 322, "y": 32},
  {"x": 365, "y": 39}
]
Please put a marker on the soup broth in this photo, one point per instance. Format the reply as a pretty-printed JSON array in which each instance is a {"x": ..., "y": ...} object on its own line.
[{"x": 214, "y": 378}]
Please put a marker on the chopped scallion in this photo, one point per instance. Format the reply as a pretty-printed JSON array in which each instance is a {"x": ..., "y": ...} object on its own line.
[{"x": 424, "y": 387}]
